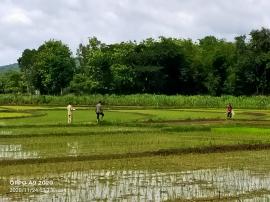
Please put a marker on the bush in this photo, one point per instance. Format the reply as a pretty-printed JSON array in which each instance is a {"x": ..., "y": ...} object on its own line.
[{"x": 177, "y": 101}]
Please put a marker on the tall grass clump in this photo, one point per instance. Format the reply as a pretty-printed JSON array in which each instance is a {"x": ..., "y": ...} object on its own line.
[{"x": 143, "y": 100}]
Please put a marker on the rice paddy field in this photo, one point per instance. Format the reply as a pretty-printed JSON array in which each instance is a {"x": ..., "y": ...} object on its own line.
[{"x": 135, "y": 154}]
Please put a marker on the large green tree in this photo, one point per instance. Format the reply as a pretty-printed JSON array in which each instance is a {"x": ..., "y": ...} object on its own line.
[
  {"x": 164, "y": 66},
  {"x": 217, "y": 62},
  {"x": 48, "y": 69},
  {"x": 94, "y": 67},
  {"x": 253, "y": 63},
  {"x": 12, "y": 82},
  {"x": 29, "y": 72}
]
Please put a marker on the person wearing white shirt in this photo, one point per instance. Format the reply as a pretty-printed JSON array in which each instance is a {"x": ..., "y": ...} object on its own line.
[{"x": 70, "y": 108}]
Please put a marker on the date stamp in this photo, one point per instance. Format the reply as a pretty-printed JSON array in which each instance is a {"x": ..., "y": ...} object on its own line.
[
  {"x": 31, "y": 186},
  {"x": 16, "y": 189}
]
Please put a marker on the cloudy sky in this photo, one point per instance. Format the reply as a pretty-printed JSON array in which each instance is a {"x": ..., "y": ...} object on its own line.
[{"x": 28, "y": 23}]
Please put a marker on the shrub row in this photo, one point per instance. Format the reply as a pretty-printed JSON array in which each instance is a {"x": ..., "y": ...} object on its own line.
[{"x": 178, "y": 101}]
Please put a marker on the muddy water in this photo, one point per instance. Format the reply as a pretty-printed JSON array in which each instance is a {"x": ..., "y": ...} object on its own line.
[{"x": 136, "y": 185}]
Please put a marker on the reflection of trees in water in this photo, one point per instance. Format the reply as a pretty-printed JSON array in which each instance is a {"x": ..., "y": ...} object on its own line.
[
  {"x": 134, "y": 185},
  {"x": 15, "y": 151}
]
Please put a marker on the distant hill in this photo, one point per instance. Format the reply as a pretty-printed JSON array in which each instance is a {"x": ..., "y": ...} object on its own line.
[{"x": 5, "y": 68}]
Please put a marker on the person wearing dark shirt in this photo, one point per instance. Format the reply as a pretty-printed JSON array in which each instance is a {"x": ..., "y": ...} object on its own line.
[
  {"x": 99, "y": 111},
  {"x": 229, "y": 111}
]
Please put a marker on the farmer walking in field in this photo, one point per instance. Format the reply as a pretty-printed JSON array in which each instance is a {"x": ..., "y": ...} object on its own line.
[
  {"x": 70, "y": 108},
  {"x": 99, "y": 111},
  {"x": 229, "y": 111}
]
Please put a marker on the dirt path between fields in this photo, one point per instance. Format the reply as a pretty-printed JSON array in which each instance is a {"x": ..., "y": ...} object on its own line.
[{"x": 211, "y": 122}]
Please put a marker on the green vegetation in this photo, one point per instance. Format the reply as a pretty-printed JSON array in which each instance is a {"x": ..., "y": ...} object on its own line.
[
  {"x": 121, "y": 140},
  {"x": 258, "y": 161},
  {"x": 55, "y": 116},
  {"x": 130, "y": 130},
  {"x": 140, "y": 101},
  {"x": 14, "y": 114},
  {"x": 184, "y": 147},
  {"x": 154, "y": 133},
  {"x": 168, "y": 66},
  {"x": 10, "y": 67}
]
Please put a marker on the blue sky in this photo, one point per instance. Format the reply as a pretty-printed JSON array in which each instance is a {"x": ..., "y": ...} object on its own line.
[{"x": 28, "y": 23}]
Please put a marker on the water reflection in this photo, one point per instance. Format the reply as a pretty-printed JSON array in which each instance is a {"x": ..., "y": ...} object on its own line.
[
  {"x": 72, "y": 148},
  {"x": 134, "y": 185},
  {"x": 15, "y": 151}
]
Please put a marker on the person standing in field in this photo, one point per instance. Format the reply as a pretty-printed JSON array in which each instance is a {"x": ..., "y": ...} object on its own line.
[
  {"x": 229, "y": 111},
  {"x": 70, "y": 108},
  {"x": 99, "y": 111}
]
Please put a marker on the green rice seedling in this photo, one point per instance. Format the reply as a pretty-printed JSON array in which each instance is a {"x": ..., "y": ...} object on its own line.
[{"x": 13, "y": 115}]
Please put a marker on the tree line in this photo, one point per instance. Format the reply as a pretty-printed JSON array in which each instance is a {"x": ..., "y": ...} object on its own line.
[{"x": 170, "y": 66}]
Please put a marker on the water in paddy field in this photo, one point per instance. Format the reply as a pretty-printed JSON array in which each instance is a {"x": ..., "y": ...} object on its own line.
[
  {"x": 15, "y": 151},
  {"x": 137, "y": 185}
]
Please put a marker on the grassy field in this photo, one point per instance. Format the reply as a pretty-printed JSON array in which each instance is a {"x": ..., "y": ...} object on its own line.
[{"x": 176, "y": 148}]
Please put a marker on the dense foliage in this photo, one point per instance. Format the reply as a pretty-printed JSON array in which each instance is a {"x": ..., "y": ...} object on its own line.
[
  {"x": 162, "y": 66},
  {"x": 141, "y": 100}
]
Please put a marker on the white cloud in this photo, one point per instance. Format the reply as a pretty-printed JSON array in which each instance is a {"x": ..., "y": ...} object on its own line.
[
  {"x": 28, "y": 23},
  {"x": 15, "y": 17}
]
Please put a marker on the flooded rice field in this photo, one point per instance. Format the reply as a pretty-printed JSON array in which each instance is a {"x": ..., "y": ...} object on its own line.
[
  {"x": 114, "y": 184},
  {"x": 137, "y": 185},
  {"x": 15, "y": 151}
]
